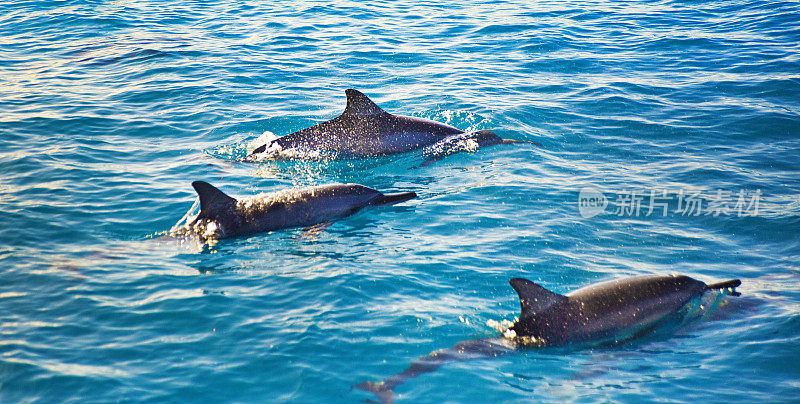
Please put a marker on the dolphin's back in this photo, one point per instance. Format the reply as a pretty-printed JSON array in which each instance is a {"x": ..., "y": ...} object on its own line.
[
  {"x": 636, "y": 288},
  {"x": 222, "y": 216},
  {"x": 612, "y": 310},
  {"x": 621, "y": 306},
  {"x": 303, "y": 207},
  {"x": 364, "y": 136},
  {"x": 362, "y": 130}
]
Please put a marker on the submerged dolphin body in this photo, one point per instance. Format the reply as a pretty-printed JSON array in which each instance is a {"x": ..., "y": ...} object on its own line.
[
  {"x": 465, "y": 141},
  {"x": 222, "y": 216},
  {"x": 607, "y": 312},
  {"x": 362, "y": 130}
]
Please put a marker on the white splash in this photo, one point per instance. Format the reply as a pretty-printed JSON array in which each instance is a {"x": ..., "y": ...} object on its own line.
[
  {"x": 265, "y": 138},
  {"x": 501, "y": 326},
  {"x": 276, "y": 152},
  {"x": 192, "y": 212}
]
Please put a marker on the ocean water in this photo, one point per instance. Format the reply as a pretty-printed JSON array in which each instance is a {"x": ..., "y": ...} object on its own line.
[{"x": 109, "y": 110}]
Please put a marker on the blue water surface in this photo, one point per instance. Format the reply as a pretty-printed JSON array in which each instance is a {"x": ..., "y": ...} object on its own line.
[{"x": 109, "y": 110}]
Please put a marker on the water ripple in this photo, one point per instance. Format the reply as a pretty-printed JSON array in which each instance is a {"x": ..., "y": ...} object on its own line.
[{"x": 109, "y": 111}]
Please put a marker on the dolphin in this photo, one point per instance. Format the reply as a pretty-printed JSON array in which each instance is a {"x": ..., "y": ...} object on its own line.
[
  {"x": 222, "y": 216},
  {"x": 608, "y": 312},
  {"x": 362, "y": 130},
  {"x": 465, "y": 141}
]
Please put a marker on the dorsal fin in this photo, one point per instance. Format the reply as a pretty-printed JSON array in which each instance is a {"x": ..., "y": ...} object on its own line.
[
  {"x": 534, "y": 298},
  {"x": 211, "y": 199},
  {"x": 359, "y": 104}
]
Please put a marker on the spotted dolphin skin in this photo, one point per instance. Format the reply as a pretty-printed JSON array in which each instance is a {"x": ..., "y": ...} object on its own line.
[
  {"x": 362, "y": 130},
  {"x": 606, "y": 312},
  {"x": 222, "y": 216}
]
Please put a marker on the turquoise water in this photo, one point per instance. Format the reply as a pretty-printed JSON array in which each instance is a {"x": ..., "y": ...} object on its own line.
[{"x": 108, "y": 111}]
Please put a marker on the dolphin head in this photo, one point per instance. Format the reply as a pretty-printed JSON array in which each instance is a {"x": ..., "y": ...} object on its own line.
[{"x": 486, "y": 137}]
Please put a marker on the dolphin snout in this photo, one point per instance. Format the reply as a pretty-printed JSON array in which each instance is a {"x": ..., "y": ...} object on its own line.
[{"x": 513, "y": 141}]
